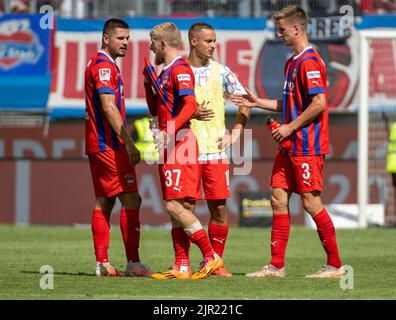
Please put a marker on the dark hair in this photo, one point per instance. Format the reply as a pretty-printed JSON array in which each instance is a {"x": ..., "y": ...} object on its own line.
[
  {"x": 196, "y": 27},
  {"x": 111, "y": 24}
]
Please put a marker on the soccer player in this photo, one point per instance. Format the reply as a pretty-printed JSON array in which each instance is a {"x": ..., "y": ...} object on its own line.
[
  {"x": 175, "y": 104},
  {"x": 305, "y": 122},
  {"x": 111, "y": 152},
  {"x": 212, "y": 81}
]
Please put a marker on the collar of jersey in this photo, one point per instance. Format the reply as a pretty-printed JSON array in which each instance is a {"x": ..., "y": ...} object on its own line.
[
  {"x": 301, "y": 53},
  {"x": 173, "y": 61},
  {"x": 105, "y": 53}
]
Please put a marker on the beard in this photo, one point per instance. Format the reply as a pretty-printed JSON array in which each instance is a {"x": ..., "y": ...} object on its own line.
[{"x": 159, "y": 59}]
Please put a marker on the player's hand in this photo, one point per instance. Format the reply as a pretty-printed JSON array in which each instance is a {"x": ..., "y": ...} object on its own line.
[
  {"x": 283, "y": 132},
  {"x": 161, "y": 140},
  {"x": 134, "y": 155},
  {"x": 228, "y": 139},
  {"x": 202, "y": 113},
  {"x": 248, "y": 100}
]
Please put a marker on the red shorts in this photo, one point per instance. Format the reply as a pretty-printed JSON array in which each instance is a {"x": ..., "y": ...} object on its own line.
[
  {"x": 112, "y": 173},
  {"x": 298, "y": 174},
  {"x": 179, "y": 172},
  {"x": 215, "y": 176}
]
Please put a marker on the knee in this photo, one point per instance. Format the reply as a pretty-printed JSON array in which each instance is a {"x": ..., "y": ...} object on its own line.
[
  {"x": 218, "y": 214},
  {"x": 311, "y": 204},
  {"x": 105, "y": 204},
  {"x": 189, "y": 206},
  {"x": 173, "y": 209},
  {"x": 132, "y": 201},
  {"x": 277, "y": 204}
]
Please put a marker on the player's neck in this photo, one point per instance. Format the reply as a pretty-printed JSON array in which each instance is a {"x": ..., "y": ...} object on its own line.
[
  {"x": 109, "y": 54},
  {"x": 300, "y": 46},
  {"x": 171, "y": 55},
  {"x": 196, "y": 61}
]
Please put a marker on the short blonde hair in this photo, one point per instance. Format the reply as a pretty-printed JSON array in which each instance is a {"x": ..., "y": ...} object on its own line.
[
  {"x": 169, "y": 32},
  {"x": 292, "y": 14}
]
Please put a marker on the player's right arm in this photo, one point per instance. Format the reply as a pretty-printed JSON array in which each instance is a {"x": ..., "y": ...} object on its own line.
[
  {"x": 151, "y": 97},
  {"x": 112, "y": 114},
  {"x": 250, "y": 100},
  {"x": 106, "y": 79}
]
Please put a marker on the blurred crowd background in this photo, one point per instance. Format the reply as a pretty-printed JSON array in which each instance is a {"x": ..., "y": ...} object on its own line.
[{"x": 188, "y": 8}]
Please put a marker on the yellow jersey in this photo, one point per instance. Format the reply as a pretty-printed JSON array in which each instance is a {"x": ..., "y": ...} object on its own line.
[{"x": 211, "y": 82}]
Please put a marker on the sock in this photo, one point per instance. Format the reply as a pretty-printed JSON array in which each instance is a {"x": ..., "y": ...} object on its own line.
[
  {"x": 327, "y": 235},
  {"x": 130, "y": 229},
  {"x": 100, "y": 226},
  {"x": 279, "y": 237},
  {"x": 218, "y": 236},
  {"x": 201, "y": 239},
  {"x": 181, "y": 245}
]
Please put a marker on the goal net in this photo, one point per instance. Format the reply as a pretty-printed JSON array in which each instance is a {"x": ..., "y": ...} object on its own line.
[{"x": 376, "y": 113}]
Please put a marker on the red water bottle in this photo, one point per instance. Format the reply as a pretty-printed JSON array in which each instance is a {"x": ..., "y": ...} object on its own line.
[{"x": 272, "y": 124}]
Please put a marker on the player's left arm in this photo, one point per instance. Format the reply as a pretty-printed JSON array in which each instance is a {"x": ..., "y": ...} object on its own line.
[
  {"x": 311, "y": 77},
  {"x": 231, "y": 85},
  {"x": 184, "y": 85}
]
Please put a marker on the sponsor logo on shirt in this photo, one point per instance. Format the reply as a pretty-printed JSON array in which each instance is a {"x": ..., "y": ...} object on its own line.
[
  {"x": 313, "y": 74},
  {"x": 104, "y": 74},
  {"x": 184, "y": 77}
]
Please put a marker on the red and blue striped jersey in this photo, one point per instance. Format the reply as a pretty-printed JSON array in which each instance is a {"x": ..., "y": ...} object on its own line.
[
  {"x": 305, "y": 76},
  {"x": 175, "y": 81},
  {"x": 102, "y": 76}
]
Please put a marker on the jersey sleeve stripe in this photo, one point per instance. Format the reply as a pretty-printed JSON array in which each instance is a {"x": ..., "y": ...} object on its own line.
[
  {"x": 99, "y": 123},
  {"x": 305, "y": 142},
  {"x": 185, "y": 92},
  {"x": 316, "y": 90},
  {"x": 175, "y": 104},
  {"x": 317, "y": 135},
  {"x": 107, "y": 90}
]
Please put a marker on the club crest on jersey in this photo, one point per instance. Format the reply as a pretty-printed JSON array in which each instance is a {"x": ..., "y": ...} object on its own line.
[
  {"x": 18, "y": 44},
  {"x": 104, "y": 74},
  {"x": 129, "y": 179},
  {"x": 164, "y": 81}
]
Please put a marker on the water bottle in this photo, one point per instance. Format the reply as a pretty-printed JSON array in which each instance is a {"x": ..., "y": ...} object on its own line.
[
  {"x": 154, "y": 127},
  {"x": 272, "y": 124}
]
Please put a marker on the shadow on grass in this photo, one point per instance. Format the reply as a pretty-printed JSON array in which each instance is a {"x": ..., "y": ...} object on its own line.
[{"x": 62, "y": 273}]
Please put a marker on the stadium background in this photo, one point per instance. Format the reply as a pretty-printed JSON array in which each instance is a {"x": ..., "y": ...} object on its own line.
[{"x": 44, "y": 175}]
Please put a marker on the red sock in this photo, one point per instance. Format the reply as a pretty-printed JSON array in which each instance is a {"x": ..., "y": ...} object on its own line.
[
  {"x": 279, "y": 237},
  {"x": 130, "y": 229},
  {"x": 218, "y": 236},
  {"x": 201, "y": 239},
  {"x": 327, "y": 235},
  {"x": 100, "y": 226},
  {"x": 181, "y": 245}
]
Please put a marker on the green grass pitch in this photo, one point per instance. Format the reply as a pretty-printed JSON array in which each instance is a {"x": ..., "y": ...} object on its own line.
[{"x": 69, "y": 251}]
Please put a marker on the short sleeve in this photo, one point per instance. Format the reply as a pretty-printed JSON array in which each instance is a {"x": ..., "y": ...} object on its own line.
[
  {"x": 105, "y": 77},
  {"x": 184, "y": 82},
  {"x": 311, "y": 74},
  {"x": 231, "y": 84}
]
